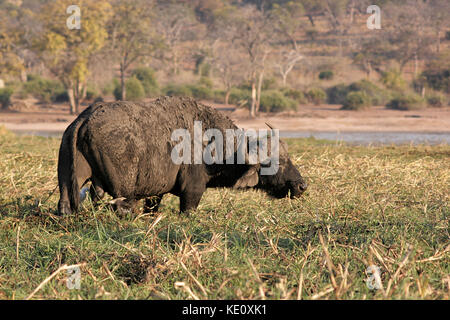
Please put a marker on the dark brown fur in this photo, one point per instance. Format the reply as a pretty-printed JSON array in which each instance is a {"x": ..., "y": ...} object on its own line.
[{"x": 124, "y": 149}]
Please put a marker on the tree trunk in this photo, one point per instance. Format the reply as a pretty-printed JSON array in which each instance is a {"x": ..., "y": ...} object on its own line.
[
  {"x": 284, "y": 75},
  {"x": 258, "y": 93},
  {"x": 416, "y": 65},
  {"x": 123, "y": 93},
  {"x": 253, "y": 105},
  {"x": 77, "y": 97},
  {"x": 71, "y": 94},
  {"x": 439, "y": 41},
  {"x": 311, "y": 19},
  {"x": 227, "y": 96}
]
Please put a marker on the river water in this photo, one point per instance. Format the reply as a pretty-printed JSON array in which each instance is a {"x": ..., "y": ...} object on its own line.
[{"x": 357, "y": 138}]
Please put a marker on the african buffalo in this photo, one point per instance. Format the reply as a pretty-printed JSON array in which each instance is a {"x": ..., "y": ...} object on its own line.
[{"x": 124, "y": 149}]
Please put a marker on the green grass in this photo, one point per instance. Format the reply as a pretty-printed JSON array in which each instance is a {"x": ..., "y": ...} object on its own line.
[{"x": 386, "y": 206}]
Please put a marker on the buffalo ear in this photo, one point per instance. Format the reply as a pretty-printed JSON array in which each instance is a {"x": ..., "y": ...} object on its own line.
[{"x": 249, "y": 179}]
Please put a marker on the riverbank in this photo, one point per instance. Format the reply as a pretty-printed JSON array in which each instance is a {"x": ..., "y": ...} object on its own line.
[{"x": 325, "y": 118}]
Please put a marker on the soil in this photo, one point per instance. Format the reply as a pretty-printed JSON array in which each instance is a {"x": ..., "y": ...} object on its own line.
[{"x": 324, "y": 118}]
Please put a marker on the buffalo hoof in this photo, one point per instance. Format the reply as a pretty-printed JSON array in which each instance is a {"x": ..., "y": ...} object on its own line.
[{"x": 64, "y": 208}]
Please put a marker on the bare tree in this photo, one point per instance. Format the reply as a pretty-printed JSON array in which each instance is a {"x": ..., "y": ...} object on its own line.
[
  {"x": 249, "y": 27},
  {"x": 173, "y": 20},
  {"x": 407, "y": 32},
  {"x": 229, "y": 66},
  {"x": 286, "y": 61},
  {"x": 129, "y": 42}
]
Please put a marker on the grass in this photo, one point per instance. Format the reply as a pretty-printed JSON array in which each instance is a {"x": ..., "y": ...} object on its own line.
[{"x": 385, "y": 206}]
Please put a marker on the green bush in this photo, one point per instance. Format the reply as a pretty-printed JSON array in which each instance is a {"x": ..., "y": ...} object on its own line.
[
  {"x": 377, "y": 95},
  {"x": 91, "y": 94},
  {"x": 201, "y": 92},
  {"x": 295, "y": 94},
  {"x": 393, "y": 80},
  {"x": 316, "y": 96},
  {"x": 275, "y": 101},
  {"x": 240, "y": 97},
  {"x": 5, "y": 97},
  {"x": 267, "y": 84},
  {"x": 436, "y": 100},
  {"x": 109, "y": 87},
  {"x": 205, "y": 82},
  {"x": 134, "y": 90},
  {"x": 177, "y": 90},
  {"x": 219, "y": 96},
  {"x": 60, "y": 97},
  {"x": 409, "y": 102},
  {"x": 356, "y": 101},
  {"x": 148, "y": 80},
  {"x": 45, "y": 90},
  {"x": 338, "y": 94},
  {"x": 326, "y": 75}
]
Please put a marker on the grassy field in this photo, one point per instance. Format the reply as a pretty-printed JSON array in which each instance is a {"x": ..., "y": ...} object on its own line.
[{"x": 384, "y": 206}]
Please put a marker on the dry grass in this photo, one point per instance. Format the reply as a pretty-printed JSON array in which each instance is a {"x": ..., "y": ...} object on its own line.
[{"x": 384, "y": 206}]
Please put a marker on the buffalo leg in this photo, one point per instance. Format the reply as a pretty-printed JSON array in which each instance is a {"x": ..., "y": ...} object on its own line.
[{"x": 96, "y": 191}]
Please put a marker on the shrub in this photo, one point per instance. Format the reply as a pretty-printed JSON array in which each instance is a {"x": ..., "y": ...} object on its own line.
[
  {"x": 438, "y": 79},
  {"x": 267, "y": 84},
  {"x": 5, "y": 97},
  {"x": 377, "y": 95},
  {"x": 240, "y": 97},
  {"x": 338, "y": 94},
  {"x": 91, "y": 93},
  {"x": 148, "y": 80},
  {"x": 109, "y": 88},
  {"x": 219, "y": 96},
  {"x": 393, "y": 80},
  {"x": 436, "y": 100},
  {"x": 295, "y": 94},
  {"x": 316, "y": 96},
  {"x": 206, "y": 82},
  {"x": 43, "y": 89},
  {"x": 356, "y": 101},
  {"x": 409, "y": 102},
  {"x": 275, "y": 101},
  {"x": 177, "y": 90},
  {"x": 201, "y": 92},
  {"x": 134, "y": 90},
  {"x": 326, "y": 75},
  {"x": 62, "y": 96}
]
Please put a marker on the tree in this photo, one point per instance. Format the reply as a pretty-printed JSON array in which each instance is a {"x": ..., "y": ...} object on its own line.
[
  {"x": 66, "y": 52},
  {"x": 439, "y": 15},
  {"x": 286, "y": 62},
  {"x": 16, "y": 32},
  {"x": 407, "y": 32},
  {"x": 173, "y": 21},
  {"x": 251, "y": 33},
  {"x": 131, "y": 34},
  {"x": 371, "y": 54},
  {"x": 287, "y": 20},
  {"x": 228, "y": 65},
  {"x": 312, "y": 9}
]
